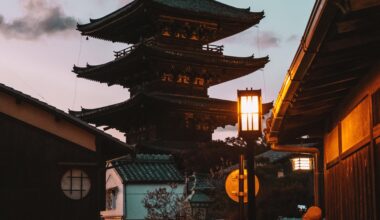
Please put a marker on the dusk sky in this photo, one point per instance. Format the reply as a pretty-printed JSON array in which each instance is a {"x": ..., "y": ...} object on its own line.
[{"x": 39, "y": 46}]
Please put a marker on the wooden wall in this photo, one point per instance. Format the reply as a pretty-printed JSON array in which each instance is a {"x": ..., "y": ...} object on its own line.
[
  {"x": 32, "y": 162},
  {"x": 352, "y": 154}
]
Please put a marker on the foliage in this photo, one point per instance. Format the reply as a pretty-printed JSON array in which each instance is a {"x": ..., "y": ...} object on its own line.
[{"x": 162, "y": 204}]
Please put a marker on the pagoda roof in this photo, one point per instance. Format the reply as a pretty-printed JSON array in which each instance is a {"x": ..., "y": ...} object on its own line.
[
  {"x": 112, "y": 26},
  {"x": 224, "y": 68},
  {"x": 118, "y": 115}
]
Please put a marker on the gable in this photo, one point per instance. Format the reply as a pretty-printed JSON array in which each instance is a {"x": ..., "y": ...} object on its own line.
[{"x": 46, "y": 121}]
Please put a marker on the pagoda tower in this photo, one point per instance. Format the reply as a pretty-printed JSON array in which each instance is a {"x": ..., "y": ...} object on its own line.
[{"x": 168, "y": 69}]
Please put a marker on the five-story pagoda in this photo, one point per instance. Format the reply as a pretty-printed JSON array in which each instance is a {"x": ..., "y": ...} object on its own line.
[{"x": 168, "y": 70}]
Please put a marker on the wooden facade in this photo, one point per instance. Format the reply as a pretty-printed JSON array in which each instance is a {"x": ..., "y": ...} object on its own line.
[
  {"x": 351, "y": 157},
  {"x": 39, "y": 145},
  {"x": 331, "y": 97}
]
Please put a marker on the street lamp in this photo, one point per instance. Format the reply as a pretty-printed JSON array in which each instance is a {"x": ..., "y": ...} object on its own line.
[
  {"x": 249, "y": 124},
  {"x": 302, "y": 163},
  {"x": 249, "y": 113}
]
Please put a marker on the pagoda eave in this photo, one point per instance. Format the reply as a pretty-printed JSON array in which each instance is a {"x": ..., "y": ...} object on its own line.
[
  {"x": 131, "y": 17},
  {"x": 221, "y": 67},
  {"x": 130, "y": 109}
]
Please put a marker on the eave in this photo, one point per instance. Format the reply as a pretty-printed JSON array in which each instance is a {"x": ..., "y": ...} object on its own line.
[
  {"x": 335, "y": 54},
  {"x": 140, "y": 13},
  {"x": 130, "y": 110},
  {"x": 148, "y": 57}
]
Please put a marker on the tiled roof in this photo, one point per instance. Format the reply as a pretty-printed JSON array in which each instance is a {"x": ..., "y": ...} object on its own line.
[
  {"x": 199, "y": 197},
  {"x": 148, "y": 168},
  {"x": 200, "y": 186},
  {"x": 208, "y": 6},
  {"x": 274, "y": 156}
]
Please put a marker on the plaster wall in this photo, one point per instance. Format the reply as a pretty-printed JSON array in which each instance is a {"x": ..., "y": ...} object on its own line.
[{"x": 113, "y": 180}]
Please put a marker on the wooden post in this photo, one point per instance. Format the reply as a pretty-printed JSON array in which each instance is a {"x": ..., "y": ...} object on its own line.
[
  {"x": 241, "y": 187},
  {"x": 250, "y": 155}
]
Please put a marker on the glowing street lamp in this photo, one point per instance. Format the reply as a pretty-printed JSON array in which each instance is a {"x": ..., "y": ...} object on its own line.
[
  {"x": 249, "y": 113},
  {"x": 249, "y": 126},
  {"x": 302, "y": 163}
]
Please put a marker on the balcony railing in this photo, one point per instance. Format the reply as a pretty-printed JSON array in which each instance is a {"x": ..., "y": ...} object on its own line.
[
  {"x": 124, "y": 52},
  {"x": 208, "y": 47},
  {"x": 213, "y": 48}
]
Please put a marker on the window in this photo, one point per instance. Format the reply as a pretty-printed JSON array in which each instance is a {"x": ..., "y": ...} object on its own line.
[
  {"x": 376, "y": 107},
  {"x": 111, "y": 196},
  {"x": 75, "y": 184}
]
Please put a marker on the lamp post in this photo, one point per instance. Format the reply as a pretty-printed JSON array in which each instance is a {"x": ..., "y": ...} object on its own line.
[{"x": 249, "y": 124}]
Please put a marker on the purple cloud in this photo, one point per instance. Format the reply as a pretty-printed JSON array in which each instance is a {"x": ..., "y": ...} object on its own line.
[
  {"x": 40, "y": 18},
  {"x": 265, "y": 39}
]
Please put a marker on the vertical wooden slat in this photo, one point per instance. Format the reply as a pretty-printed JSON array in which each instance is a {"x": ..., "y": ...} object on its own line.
[{"x": 348, "y": 188}]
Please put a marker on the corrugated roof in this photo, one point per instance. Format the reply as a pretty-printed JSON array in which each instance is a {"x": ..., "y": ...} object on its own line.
[{"x": 148, "y": 168}]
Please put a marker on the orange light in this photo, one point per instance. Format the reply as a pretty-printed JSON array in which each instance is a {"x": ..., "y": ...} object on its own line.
[
  {"x": 301, "y": 164},
  {"x": 249, "y": 110}
]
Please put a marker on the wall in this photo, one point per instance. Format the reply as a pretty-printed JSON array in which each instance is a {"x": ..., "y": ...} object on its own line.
[
  {"x": 32, "y": 162},
  {"x": 349, "y": 153},
  {"x": 44, "y": 120},
  {"x": 135, "y": 193},
  {"x": 113, "y": 181}
]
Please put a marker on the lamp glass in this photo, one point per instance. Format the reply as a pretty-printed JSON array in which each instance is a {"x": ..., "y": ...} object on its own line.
[
  {"x": 249, "y": 113},
  {"x": 301, "y": 163}
]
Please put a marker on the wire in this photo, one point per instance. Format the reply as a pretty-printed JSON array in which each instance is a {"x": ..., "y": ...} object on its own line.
[
  {"x": 30, "y": 86},
  {"x": 263, "y": 69},
  {"x": 76, "y": 78}
]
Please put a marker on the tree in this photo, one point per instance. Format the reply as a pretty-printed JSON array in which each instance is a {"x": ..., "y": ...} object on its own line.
[{"x": 163, "y": 203}]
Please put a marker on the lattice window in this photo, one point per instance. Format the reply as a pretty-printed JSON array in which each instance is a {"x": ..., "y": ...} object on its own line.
[
  {"x": 199, "y": 81},
  {"x": 75, "y": 184},
  {"x": 376, "y": 107},
  {"x": 183, "y": 79},
  {"x": 167, "y": 77}
]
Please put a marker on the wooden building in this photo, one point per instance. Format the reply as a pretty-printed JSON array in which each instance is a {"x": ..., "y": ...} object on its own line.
[
  {"x": 331, "y": 96},
  {"x": 51, "y": 164},
  {"x": 168, "y": 70}
]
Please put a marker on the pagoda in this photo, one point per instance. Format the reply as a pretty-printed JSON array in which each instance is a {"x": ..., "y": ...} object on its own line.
[{"x": 168, "y": 68}]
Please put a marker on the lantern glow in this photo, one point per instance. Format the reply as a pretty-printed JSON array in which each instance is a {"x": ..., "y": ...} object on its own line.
[
  {"x": 249, "y": 111},
  {"x": 301, "y": 163}
]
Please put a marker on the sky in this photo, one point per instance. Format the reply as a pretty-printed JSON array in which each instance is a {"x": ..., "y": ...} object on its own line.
[{"x": 39, "y": 45}]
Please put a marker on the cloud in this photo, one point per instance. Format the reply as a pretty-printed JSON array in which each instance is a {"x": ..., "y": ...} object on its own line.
[
  {"x": 269, "y": 39},
  {"x": 265, "y": 39},
  {"x": 292, "y": 37},
  {"x": 40, "y": 18}
]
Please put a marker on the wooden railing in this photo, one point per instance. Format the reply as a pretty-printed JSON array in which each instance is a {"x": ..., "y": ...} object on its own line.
[
  {"x": 128, "y": 50},
  {"x": 213, "y": 48},
  {"x": 124, "y": 52}
]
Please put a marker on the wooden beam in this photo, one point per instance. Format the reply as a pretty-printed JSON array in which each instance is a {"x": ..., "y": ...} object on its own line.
[
  {"x": 321, "y": 95},
  {"x": 328, "y": 84},
  {"x": 357, "y": 39},
  {"x": 331, "y": 71},
  {"x": 311, "y": 112},
  {"x": 313, "y": 103}
]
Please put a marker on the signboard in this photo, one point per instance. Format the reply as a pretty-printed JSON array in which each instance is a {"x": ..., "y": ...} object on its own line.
[{"x": 232, "y": 185}]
